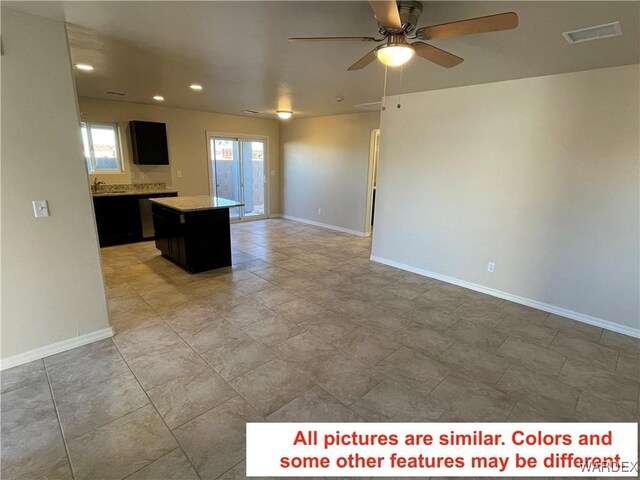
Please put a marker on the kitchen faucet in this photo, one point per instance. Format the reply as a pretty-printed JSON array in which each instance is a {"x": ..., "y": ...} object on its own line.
[{"x": 96, "y": 185}]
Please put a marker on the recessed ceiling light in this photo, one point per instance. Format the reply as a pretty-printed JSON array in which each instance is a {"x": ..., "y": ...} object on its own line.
[
  {"x": 85, "y": 67},
  {"x": 195, "y": 86},
  {"x": 284, "y": 114},
  {"x": 593, "y": 33},
  {"x": 158, "y": 98}
]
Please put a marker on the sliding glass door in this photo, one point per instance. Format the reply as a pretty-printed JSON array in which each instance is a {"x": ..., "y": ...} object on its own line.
[{"x": 238, "y": 173}]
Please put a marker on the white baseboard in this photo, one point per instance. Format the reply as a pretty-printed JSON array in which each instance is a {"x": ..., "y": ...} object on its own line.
[
  {"x": 563, "y": 312},
  {"x": 325, "y": 225},
  {"x": 54, "y": 348}
]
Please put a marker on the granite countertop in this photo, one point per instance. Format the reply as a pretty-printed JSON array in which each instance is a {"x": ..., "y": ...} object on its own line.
[
  {"x": 132, "y": 189},
  {"x": 144, "y": 191},
  {"x": 199, "y": 202}
]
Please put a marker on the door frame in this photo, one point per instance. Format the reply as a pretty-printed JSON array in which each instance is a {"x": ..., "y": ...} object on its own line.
[
  {"x": 239, "y": 137},
  {"x": 374, "y": 157}
]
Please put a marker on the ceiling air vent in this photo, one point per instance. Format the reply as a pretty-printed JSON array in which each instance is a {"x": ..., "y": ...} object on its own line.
[
  {"x": 593, "y": 33},
  {"x": 370, "y": 106},
  {"x": 251, "y": 112},
  {"x": 116, "y": 94}
]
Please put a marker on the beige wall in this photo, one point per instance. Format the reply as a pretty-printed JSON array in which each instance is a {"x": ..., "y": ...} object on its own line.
[
  {"x": 540, "y": 176},
  {"x": 186, "y": 138},
  {"x": 52, "y": 287},
  {"x": 325, "y": 166}
]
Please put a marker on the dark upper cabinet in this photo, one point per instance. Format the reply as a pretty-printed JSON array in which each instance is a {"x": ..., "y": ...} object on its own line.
[{"x": 149, "y": 143}]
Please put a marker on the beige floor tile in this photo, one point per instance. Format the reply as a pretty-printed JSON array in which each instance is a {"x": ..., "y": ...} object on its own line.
[
  {"x": 246, "y": 313},
  {"x": 390, "y": 401},
  {"x": 214, "y": 442},
  {"x": 344, "y": 377},
  {"x": 184, "y": 398},
  {"x": 413, "y": 370},
  {"x": 619, "y": 390},
  {"x": 304, "y": 351},
  {"x": 330, "y": 326},
  {"x": 147, "y": 341},
  {"x": 586, "y": 351},
  {"x": 422, "y": 339},
  {"x": 432, "y": 318},
  {"x": 16, "y": 377},
  {"x": 270, "y": 386},
  {"x": 474, "y": 362},
  {"x": 121, "y": 447},
  {"x": 367, "y": 346},
  {"x": 595, "y": 409},
  {"x": 69, "y": 372},
  {"x": 467, "y": 400},
  {"x": 522, "y": 311},
  {"x": 298, "y": 310},
  {"x": 215, "y": 334},
  {"x": 173, "y": 466},
  {"x": 534, "y": 357},
  {"x": 273, "y": 296},
  {"x": 28, "y": 405},
  {"x": 273, "y": 331},
  {"x": 237, "y": 358},
  {"x": 484, "y": 314},
  {"x": 471, "y": 334},
  {"x": 527, "y": 329},
  {"x": 619, "y": 341},
  {"x": 573, "y": 327},
  {"x": 314, "y": 405},
  {"x": 98, "y": 404},
  {"x": 158, "y": 368},
  {"x": 539, "y": 391},
  {"x": 35, "y": 451}
]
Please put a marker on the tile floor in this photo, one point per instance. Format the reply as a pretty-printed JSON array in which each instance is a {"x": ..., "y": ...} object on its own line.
[{"x": 303, "y": 328}]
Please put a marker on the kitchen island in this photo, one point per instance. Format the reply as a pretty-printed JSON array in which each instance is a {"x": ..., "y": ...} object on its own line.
[{"x": 194, "y": 232}]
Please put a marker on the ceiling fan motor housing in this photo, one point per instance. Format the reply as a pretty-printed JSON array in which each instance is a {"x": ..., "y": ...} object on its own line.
[{"x": 410, "y": 12}]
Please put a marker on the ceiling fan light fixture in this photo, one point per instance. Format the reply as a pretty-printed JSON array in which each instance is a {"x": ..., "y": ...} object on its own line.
[
  {"x": 395, "y": 54},
  {"x": 284, "y": 114}
]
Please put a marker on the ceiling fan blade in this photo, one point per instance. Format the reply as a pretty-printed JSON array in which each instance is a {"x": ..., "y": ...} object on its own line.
[
  {"x": 490, "y": 23},
  {"x": 333, "y": 39},
  {"x": 435, "y": 55},
  {"x": 386, "y": 13},
  {"x": 364, "y": 61}
]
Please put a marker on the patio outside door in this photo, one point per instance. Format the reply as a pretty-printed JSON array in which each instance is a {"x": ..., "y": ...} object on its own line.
[{"x": 238, "y": 173}]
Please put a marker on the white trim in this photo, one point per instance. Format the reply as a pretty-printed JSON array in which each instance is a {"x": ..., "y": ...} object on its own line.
[
  {"x": 325, "y": 225},
  {"x": 54, "y": 348},
  {"x": 563, "y": 312}
]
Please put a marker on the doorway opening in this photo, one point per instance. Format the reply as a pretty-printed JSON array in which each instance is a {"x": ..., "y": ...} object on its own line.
[
  {"x": 374, "y": 155},
  {"x": 237, "y": 171}
]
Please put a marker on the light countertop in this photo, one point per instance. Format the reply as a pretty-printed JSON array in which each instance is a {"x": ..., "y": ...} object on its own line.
[
  {"x": 199, "y": 202},
  {"x": 134, "y": 192}
]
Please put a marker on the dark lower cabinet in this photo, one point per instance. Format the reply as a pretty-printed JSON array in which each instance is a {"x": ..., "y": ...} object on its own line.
[
  {"x": 119, "y": 218},
  {"x": 198, "y": 241}
]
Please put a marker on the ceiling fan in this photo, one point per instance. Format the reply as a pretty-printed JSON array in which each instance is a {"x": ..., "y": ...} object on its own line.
[{"x": 397, "y": 22}]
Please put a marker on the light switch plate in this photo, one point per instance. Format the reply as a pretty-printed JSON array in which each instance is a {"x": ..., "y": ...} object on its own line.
[{"x": 41, "y": 208}]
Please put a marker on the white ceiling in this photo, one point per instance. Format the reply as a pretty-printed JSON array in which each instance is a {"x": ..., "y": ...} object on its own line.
[{"x": 239, "y": 51}]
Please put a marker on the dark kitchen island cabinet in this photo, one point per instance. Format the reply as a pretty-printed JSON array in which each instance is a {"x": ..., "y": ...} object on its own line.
[{"x": 194, "y": 232}]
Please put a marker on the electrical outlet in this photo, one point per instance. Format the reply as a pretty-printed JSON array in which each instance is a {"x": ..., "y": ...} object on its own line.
[
  {"x": 319, "y": 211},
  {"x": 179, "y": 174},
  {"x": 491, "y": 267}
]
